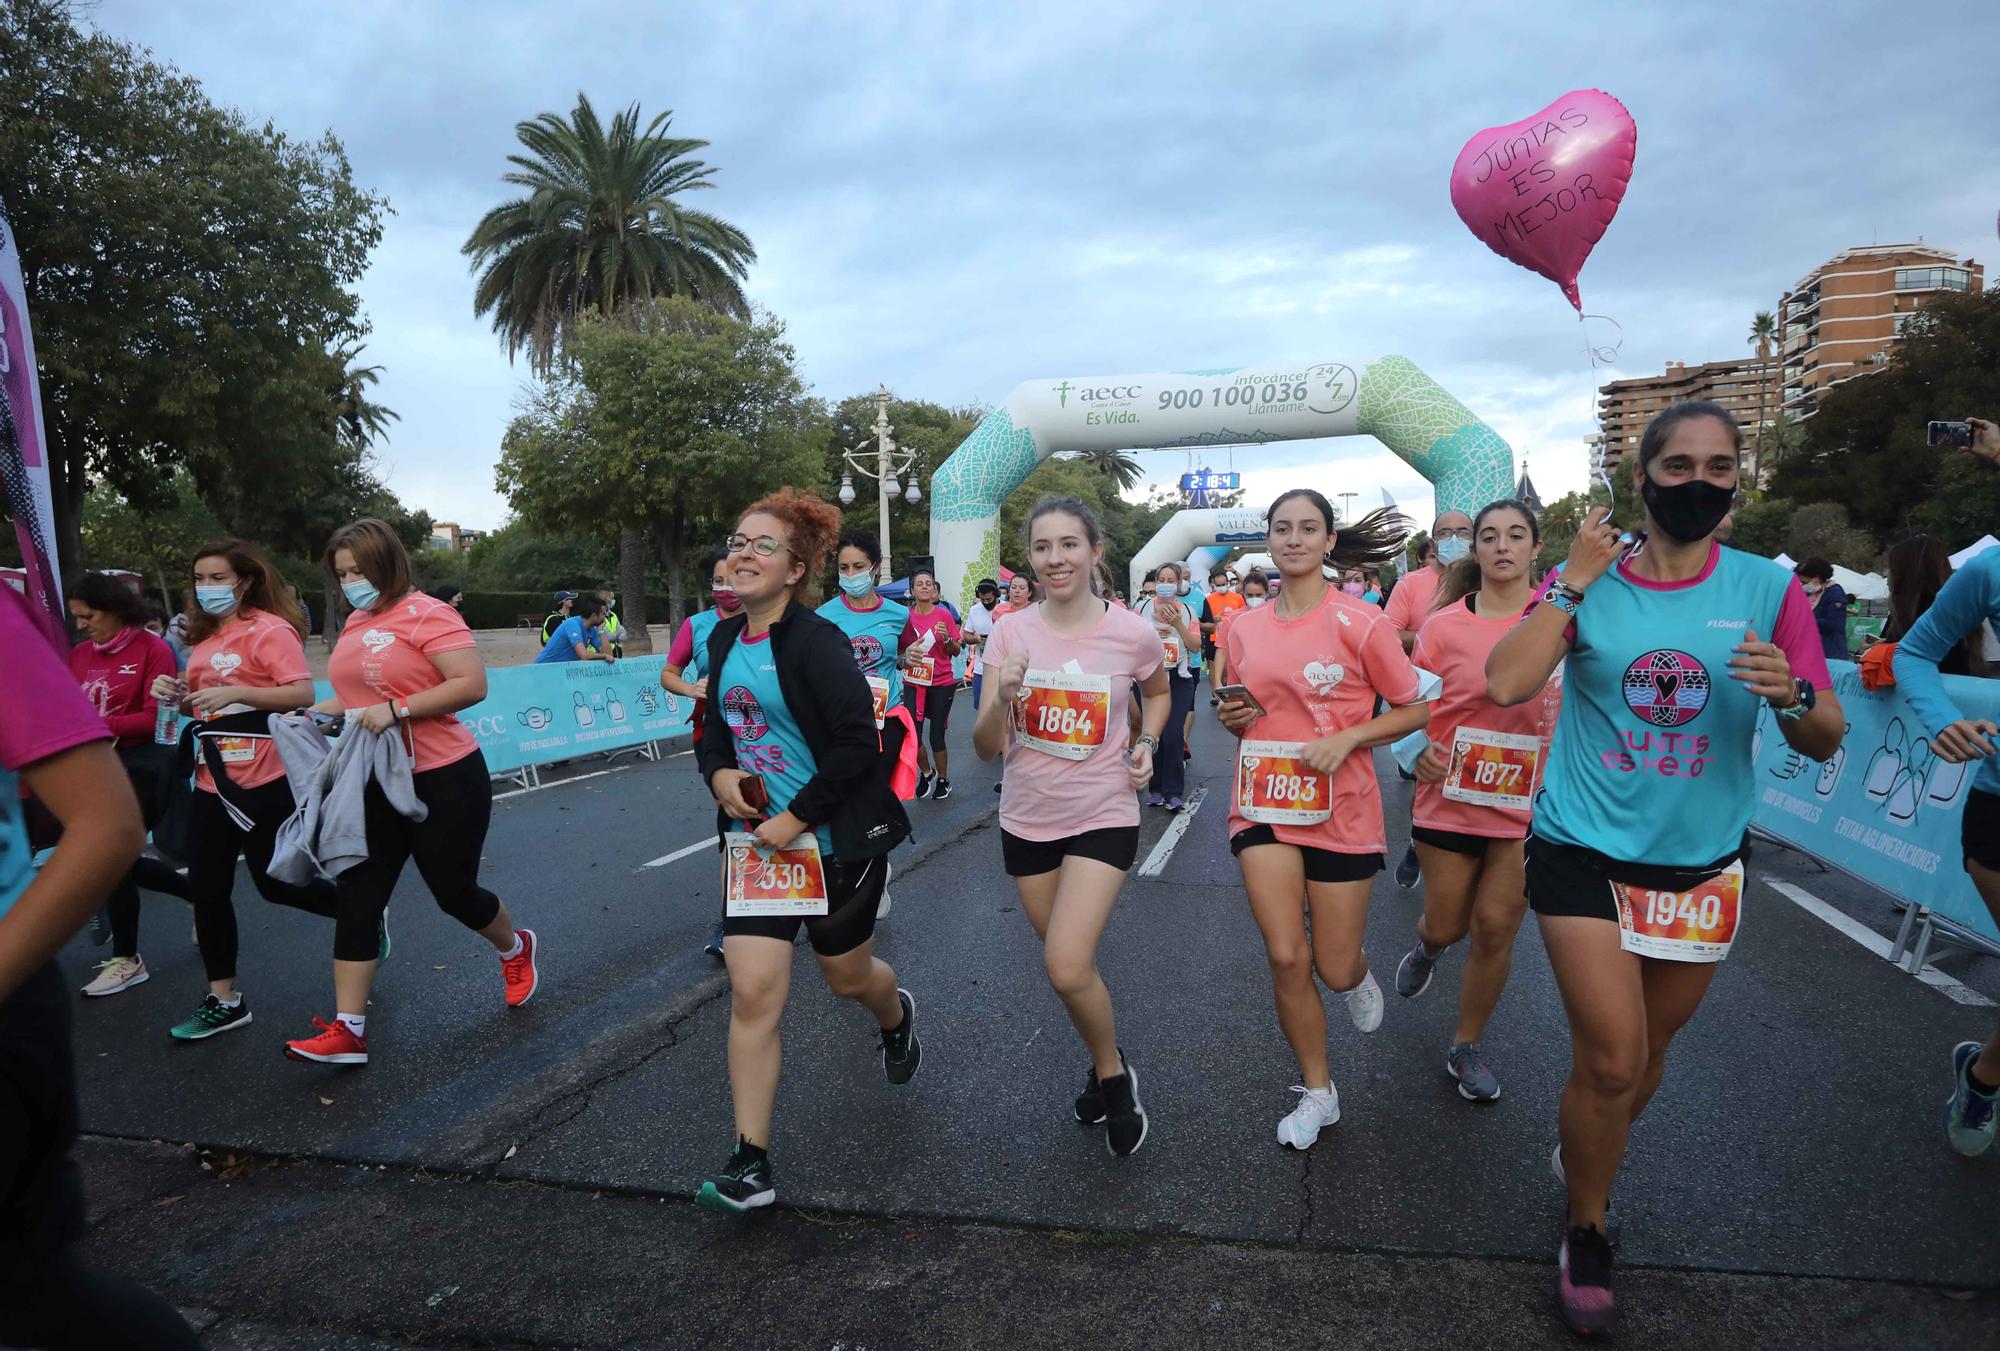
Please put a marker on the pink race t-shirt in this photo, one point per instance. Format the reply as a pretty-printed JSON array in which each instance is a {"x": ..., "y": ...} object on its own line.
[
  {"x": 385, "y": 655},
  {"x": 941, "y": 626},
  {"x": 1410, "y": 603},
  {"x": 1048, "y": 797},
  {"x": 255, "y": 648},
  {"x": 1316, "y": 675},
  {"x": 1454, "y": 645}
]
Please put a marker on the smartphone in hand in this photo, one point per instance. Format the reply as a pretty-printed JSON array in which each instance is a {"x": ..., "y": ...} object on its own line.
[
  {"x": 755, "y": 795},
  {"x": 1949, "y": 434},
  {"x": 1240, "y": 694}
]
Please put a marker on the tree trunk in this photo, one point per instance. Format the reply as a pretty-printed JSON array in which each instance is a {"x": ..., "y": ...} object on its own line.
[
  {"x": 674, "y": 553},
  {"x": 632, "y": 544},
  {"x": 329, "y": 615},
  {"x": 67, "y": 488}
]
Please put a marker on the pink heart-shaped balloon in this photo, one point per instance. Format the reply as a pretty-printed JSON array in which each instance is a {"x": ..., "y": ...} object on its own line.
[{"x": 1540, "y": 192}]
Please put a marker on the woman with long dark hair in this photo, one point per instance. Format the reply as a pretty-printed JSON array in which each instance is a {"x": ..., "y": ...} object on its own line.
[
  {"x": 1634, "y": 866},
  {"x": 247, "y": 656},
  {"x": 802, "y": 788},
  {"x": 1060, "y": 674},
  {"x": 115, "y": 665},
  {"x": 1918, "y": 569},
  {"x": 405, "y": 665},
  {"x": 1475, "y": 783},
  {"x": 1305, "y": 818}
]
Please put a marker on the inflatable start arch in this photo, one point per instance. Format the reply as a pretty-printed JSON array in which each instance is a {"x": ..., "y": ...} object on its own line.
[{"x": 1389, "y": 399}]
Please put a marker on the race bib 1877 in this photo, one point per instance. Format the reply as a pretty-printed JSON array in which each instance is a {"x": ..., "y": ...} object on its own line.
[{"x": 1492, "y": 769}]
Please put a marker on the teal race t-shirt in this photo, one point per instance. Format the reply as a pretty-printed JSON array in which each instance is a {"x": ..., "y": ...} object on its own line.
[
  {"x": 873, "y": 634},
  {"x": 768, "y": 741}
]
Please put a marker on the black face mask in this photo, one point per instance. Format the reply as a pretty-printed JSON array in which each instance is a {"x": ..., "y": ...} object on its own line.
[{"x": 1686, "y": 511}]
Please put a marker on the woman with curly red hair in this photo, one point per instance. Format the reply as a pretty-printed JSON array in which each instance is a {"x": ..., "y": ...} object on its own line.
[{"x": 804, "y": 797}]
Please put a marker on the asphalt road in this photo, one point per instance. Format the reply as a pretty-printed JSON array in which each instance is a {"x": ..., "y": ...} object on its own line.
[{"x": 1789, "y": 1186}]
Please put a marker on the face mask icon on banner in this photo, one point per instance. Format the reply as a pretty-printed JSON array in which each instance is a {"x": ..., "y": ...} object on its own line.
[{"x": 534, "y": 719}]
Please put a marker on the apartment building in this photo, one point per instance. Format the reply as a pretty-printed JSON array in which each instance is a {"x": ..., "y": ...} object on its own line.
[
  {"x": 1843, "y": 318},
  {"x": 1624, "y": 407},
  {"x": 447, "y": 537}
]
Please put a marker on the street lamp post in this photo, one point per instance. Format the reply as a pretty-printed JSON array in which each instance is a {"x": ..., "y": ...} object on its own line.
[
  {"x": 884, "y": 464},
  {"x": 1346, "y": 512}
]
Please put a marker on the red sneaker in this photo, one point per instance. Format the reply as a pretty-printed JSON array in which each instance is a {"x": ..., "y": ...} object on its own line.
[
  {"x": 518, "y": 972},
  {"x": 336, "y": 1044}
]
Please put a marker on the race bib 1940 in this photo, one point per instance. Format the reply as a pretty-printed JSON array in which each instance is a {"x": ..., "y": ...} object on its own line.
[
  {"x": 1276, "y": 787},
  {"x": 1063, "y": 714},
  {"x": 791, "y": 881},
  {"x": 1681, "y": 926},
  {"x": 1492, "y": 769}
]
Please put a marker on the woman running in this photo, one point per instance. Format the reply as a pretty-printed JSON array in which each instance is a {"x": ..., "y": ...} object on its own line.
[
  {"x": 1475, "y": 783},
  {"x": 874, "y": 627},
  {"x": 1180, "y": 640},
  {"x": 404, "y": 664},
  {"x": 930, "y": 639},
  {"x": 1255, "y": 594},
  {"x": 247, "y": 656},
  {"x": 685, "y": 671},
  {"x": 1305, "y": 818},
  {"x": 1634, "y": 866},
  {"x": 1954, "y": 626},
  {"x": 1059, "y": 675},
  {"x": 795, "y": 764},
  {"x": 116, "y": 665}
]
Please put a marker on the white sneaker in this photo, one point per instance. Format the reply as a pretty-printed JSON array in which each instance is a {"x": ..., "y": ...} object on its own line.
[
  {"x": 1318, "y": 1108},
  {"x": 120, "y": 973},
  {"x": 1364, "y": 1004}
]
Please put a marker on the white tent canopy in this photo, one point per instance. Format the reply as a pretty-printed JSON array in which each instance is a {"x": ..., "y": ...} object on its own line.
[
  {"x": 1973, "y": 550},
  {"x": 1859, "y": 585}
]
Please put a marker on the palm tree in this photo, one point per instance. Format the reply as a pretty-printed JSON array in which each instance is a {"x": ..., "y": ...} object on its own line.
[
  {"x": 359, "y": 418},
  {"x": 599, "y": 229},
  {"x": 1763, "y": 332},
  {"x": 1121, "y": 466}
]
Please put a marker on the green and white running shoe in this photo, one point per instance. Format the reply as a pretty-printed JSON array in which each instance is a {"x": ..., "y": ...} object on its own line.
[{"x": 212, "y": 1017}]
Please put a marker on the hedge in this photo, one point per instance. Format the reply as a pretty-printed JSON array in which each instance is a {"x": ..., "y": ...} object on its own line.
[{"x": 499, "y": 609}]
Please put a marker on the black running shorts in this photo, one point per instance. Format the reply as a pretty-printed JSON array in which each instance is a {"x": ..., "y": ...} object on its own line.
[
  {"x": 1456, "y": 841},
  {"x": 1564, "y": 879},
  {"x": 1322, "y": 865},
  {"x": 853, "y": 892},
  {"x": 1115, "y": 845},
  {"x": 1979, "y": 832}
]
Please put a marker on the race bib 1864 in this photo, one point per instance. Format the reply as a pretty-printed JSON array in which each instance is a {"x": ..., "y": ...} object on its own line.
[
  {"x": 1063, "y": 714},
  {"x": 1492, "y": 769},
  {"x": 791, "y": 881},
  {"x": 1275, "y": 786},
  {"x": 1681, "y": 926}
]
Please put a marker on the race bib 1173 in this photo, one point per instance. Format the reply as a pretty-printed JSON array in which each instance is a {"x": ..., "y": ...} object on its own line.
[
  {"x": 1492, "y": 769},
  {"x": 1063, "y": 714},
  {"x": 1275, "y": 786},
  {"x": 791, "y": 881},
  {"x": 1681, "y": 926}
]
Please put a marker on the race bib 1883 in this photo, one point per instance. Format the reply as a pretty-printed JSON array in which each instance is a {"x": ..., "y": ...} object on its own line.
[
  {"x": 1492, "y": 769},
  {"x": 1681, "y": 926},
  {"x": 791, "y": 881},
  {"x": 1063, "y": 714},
  {"x": 1275, "y": 786}
]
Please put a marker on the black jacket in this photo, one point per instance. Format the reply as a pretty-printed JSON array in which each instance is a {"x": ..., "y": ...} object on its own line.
[{"x": 827, "y": 696}]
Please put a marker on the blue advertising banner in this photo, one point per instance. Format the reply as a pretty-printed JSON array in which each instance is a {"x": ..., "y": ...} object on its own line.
[
  {"x": 1885, "y": 808},
  {"x": 536, "y": 715}
]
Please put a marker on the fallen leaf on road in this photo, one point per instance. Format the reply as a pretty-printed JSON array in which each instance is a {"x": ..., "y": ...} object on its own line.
[
  {"x": 441, "y": 1296},
  {"x": 437, "y": 968},
  {"x": 326, "y": 1102},
  {"x": 512, "y": 1150},
  {"x": 169, "y": 1200}
]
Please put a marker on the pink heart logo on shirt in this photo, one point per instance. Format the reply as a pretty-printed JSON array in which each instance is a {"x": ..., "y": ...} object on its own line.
[
  {"x": 375, "y": 640},
  {"x": 222, "y": 663}
]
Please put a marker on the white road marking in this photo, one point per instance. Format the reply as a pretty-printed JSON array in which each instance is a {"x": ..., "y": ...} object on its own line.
[
  {"x": 1156, "y": 861},
  {"x": 664, "y": 859},
  {"x": 1876, "y": 943},
  {"x": 558, "y": 783}
]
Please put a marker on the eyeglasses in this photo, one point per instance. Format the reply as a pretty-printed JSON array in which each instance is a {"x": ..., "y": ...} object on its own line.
[
  {"x": 1460, "y": 532},
  {"x": 761, "y": 545}
]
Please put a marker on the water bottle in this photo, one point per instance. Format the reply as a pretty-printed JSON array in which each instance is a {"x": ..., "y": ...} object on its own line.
[{"x": 167, "y": 723}]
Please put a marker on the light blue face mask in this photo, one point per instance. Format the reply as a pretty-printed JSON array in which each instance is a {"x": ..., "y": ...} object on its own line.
[
  {"x": 856, "y": 584},
  {"x": 362, "y": 594},
  {"x": 215, "y": 600},
  {"x": 1451, "y": 548}
]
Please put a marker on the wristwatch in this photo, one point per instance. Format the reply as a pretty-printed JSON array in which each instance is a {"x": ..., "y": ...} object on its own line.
[
  {"x": 1148, "y": 739},
  {"x": 1808, "y": 697}
]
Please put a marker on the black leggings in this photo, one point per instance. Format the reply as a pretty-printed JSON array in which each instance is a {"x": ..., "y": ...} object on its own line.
[
  {"x": 445, "y": 845},
  {"x": 1169, "y": 767},
  {"x": 212, "y": 869},
  {"x": 937, "y": 709},
  {"x": 48, "y": 1297},
  {"x": 148, "y": 872}
]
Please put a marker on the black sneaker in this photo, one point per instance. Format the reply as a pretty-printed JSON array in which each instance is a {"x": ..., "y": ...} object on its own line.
[
  {"x": 1124, "y": 1119},
  {"x": 1583, "y": 1283},
  {"x": 1090, "y": 1102},
  {"x": 1614, "y": 1230},
  {"x": 1408, "y": 872},
  {"x": 924, "y": 782},
  {"x": 902, "y": 1052},
  {"x": 713, "y": 947},
  {"x": 942, "y": 791},
  {"x": 745, "y": 1184},
  {"x": 212, "y": 1017}
]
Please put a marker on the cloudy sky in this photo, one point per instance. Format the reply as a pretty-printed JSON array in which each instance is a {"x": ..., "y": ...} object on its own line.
[{"x": 953, "y": 198}]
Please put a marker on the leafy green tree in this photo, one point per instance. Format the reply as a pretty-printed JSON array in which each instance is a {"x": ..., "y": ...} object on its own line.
[
  {"x": 672, "y": 422},
  {"x": 600, "y": 229},
  {"x": 1763, "y": 333},
  {"x": 1822, "y": 530},
  {"x": 931, "y": 430},
  {"x": 1762, "y": 525},
  {"x": 516, "y": 557},
  {"x": 1122, "y": 467},
  {"x": 157, "y": 541},
  {"x": 1866, "y": 449},
  {"x": 190, "y": 276}
]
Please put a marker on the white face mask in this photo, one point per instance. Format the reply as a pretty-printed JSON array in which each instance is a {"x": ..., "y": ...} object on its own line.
[{"x": 1254, "y": 601}]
